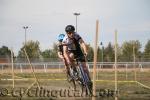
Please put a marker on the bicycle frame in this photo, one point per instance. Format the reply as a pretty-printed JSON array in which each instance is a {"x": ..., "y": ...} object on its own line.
[{"x": 85, "y": 78}]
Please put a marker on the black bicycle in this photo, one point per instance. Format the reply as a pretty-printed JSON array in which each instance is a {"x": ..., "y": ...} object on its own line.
[{"x": 78, "y": 75}]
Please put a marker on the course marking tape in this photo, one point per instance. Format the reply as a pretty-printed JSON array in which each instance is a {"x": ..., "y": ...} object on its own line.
[
  {"x": 143, "y": 85},
  {"x": 66, "y": 79},
  {"x": 114, "y": 81}
]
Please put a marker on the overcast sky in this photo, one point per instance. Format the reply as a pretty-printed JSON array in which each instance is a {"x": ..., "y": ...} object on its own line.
[{"x": 48, "y": 18}]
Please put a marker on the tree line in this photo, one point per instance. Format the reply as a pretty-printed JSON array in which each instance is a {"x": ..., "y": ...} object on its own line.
[{"x": 125, "y": 52}]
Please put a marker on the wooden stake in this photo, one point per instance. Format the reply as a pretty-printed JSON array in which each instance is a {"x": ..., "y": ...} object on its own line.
[
  {"x": 95, "y": 60},
  {"x": 12, "y": 63},
  {"x": 134, "y": 61},
  {"x": 116, "y": 79},
  {"x": 36, "y": 80}
]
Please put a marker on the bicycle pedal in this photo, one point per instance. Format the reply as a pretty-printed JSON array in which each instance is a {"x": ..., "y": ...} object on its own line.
[
  {"x": 69, "y": 79},
  {"x": 77, "y": 79},
  {"x": 80, "y": 82}
]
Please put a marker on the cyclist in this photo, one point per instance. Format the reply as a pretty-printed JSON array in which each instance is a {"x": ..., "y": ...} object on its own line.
[
  {"x": 74, "y": 47},
  {"x": 60, "y": 52}
]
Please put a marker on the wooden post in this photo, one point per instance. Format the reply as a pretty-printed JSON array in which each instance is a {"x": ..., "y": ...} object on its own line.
[
  {"x": 95, "y": 60},
  {"x": 134, "y": 61},
  {"x": 20, "y": 68},
  {"x": 116, "y": 80},
  {"x": 32, "y": 69},
  {"x": 126, "y": 72},
  {"x": 12, "y": 63},
  {"x": 45, "y": 68}
]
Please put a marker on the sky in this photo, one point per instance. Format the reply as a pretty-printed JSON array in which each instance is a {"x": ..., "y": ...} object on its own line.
[{"x": 46, "y": 19}]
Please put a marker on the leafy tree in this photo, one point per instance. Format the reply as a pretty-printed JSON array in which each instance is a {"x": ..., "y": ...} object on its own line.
[
  {"x": 147, "y": 51},
  {"x": 5, "y": 52},
  {"x": 90, "y": 53},
  {"x": 127, "y": 50},
  {"x": 46, "y": 53},
  {"x": 54, "y": 51},
  {"x": 32, "y": 48},
  {"x": 119, "y": 53},
  {"x": 109, "y": 53},
  {"x": 99, "y": 54}
]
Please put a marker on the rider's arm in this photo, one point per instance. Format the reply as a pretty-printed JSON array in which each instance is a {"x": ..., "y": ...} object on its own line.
[
  {"x": 60, "y": 55},
  {"x": 83, "y": 45},
  {"x": 66, "y": 53},
  {"x": 60, "y": 50}
]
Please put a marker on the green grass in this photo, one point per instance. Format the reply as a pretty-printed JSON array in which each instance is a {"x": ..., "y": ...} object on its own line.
[{"x": 127, "y": 90}]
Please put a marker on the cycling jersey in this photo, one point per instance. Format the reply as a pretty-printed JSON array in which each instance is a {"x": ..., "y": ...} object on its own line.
[
  {"x": 60, "y": 48},
  {"x": 73, "y": 44}
]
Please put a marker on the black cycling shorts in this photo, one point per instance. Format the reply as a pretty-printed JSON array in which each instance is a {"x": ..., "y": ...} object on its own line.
[{"x": 78, "y": 55}]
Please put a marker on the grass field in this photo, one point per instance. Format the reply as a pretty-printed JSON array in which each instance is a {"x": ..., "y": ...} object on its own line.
[{"x": 56, "y": 81}]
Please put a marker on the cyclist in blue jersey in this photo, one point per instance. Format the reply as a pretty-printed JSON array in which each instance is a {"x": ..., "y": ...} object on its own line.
[{"x": 61, "y": 53}]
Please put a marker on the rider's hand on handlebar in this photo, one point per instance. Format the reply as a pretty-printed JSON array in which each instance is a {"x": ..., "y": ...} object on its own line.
[{"x": 69, "y": 62}]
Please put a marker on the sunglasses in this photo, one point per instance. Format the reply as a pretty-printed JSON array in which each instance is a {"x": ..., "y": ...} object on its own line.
[{"x": 69, "y": 33}]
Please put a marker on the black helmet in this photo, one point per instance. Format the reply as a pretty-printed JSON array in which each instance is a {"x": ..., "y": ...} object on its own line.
[{"x": 69, "y": 28}]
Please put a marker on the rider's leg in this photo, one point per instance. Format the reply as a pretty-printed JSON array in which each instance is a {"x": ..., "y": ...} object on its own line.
[
  {"x": 71, "y": 55},
  {"x": 66, "y": 67}
]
